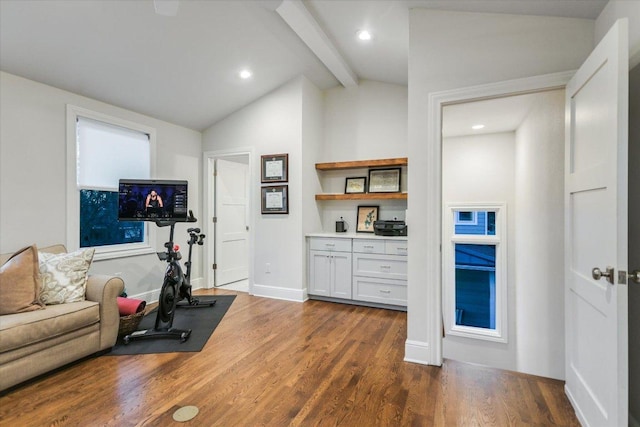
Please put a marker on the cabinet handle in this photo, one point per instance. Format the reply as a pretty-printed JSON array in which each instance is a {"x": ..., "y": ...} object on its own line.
[
  {"x": 330, "y": 244},
  {"x": 386, "y": 267},
  {"x": 402, "y": 249},
  {"x": 384, "y": 291},
  {"x": 368, "y": 246}
]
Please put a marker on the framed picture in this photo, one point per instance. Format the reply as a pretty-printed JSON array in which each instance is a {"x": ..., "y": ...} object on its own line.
[
  {"x": 355, "y": 185},
  {"x": 366, "y": 216},
  {"x": 275, "y": 168},
  {"x": 384, "y": 180},
  {"x": 275, "y": 199}
]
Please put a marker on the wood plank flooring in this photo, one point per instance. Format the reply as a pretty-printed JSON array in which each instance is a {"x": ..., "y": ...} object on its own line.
[{"x": 279, "y": 363}]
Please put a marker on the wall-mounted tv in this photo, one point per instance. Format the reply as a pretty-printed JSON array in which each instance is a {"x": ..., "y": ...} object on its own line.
[{"x": 152, "y": 200}]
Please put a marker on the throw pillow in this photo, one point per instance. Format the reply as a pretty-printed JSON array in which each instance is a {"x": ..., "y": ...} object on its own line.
[
  {"x": 19, "y": 282},
  {"x": 64, "y": 276}
]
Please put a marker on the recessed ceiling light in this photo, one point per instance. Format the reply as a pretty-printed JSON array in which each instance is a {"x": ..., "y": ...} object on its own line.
[
  {"x": 476, "y": 127},
  {"x": 245, "y": 74},
  {"x": 363, "y": 35}
]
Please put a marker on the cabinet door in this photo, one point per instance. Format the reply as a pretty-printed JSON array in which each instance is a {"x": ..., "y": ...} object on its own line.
[
  {"x": 341, "y": 275},
  {"x": 320, "y": 273}
]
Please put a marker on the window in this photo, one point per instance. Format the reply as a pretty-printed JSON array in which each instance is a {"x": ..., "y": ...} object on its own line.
[
  {"x": 475, "y": 271},
  {"x": 101, "y": 150}
]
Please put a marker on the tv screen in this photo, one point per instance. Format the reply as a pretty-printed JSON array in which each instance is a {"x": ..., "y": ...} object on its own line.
[{"x": 152, "y": 200}]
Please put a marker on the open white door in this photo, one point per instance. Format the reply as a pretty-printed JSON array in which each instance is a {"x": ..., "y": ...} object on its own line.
[
  {"x": 231, "y": 235},
  {"x": 596, "y": 234}
]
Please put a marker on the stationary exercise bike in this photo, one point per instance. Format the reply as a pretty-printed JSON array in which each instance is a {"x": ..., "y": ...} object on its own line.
[
  {"x": 185, "y": 289},
  {"x": 175, "y": 287}
]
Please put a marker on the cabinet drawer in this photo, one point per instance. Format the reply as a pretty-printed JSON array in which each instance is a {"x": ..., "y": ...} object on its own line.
[
  {"x": 380, "y": 290},
  {"x": 396, "y": 247},
  {"x": 382, "y": 266},
  {"x": 329, "y": 244},
  {"x": 368, "y": 246}
]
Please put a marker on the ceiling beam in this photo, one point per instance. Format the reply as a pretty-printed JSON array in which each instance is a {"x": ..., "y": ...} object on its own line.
[{"x": 296, "y": 15}]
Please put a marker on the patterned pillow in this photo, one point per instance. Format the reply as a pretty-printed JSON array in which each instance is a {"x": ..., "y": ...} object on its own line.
[{"x": 64, "y": 276}]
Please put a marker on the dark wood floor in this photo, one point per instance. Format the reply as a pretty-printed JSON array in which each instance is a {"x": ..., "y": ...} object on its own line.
[{"x": 278, "y": 363}]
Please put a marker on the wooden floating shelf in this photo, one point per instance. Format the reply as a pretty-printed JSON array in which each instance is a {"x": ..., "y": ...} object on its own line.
[
  {"x": 363, "y": 196},
  {"x": 401, "y": 161}
]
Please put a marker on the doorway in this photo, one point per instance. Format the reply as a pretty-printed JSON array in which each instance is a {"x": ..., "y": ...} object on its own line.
[
  {"x": 228, "y": 206},
  {"x": 502, "y": 198}
]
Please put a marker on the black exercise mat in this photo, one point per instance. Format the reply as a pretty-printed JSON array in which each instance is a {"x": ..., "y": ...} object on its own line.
[{"x": 202, "y": 321}]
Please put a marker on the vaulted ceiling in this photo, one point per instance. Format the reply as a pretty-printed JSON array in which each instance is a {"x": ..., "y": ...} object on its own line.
[{"x": 185, "y": 68}]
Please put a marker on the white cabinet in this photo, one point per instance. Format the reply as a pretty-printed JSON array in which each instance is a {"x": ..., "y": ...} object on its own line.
[
  {"x": 380, "y": 271},
  {"x": 369, "y": 270},
  {"x": 330, "y": 270}
]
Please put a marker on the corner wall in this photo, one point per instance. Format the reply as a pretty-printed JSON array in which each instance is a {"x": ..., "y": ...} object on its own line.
[
  {"x": 634, "y": 246},
  {"x": 449, "y": 50},
  {"x": 33, "y": 175},
  {"x": 539, "y": 215},
  {"x": 272, "y": 125},
  {"x": 480, "y": 169}
]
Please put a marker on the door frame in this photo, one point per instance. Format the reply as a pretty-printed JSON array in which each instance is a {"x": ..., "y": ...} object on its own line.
[
  {"x": 209, "y": 158},
  {"x": 433, "y": 214}
]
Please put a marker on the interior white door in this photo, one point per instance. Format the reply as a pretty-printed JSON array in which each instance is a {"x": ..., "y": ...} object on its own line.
[
  {"x": 596, "y": 233},
  {"x": 231, "y": 228}
]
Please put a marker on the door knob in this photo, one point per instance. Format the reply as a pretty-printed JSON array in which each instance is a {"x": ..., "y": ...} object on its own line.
[
  {"x": 635, "y": 276},
  {"x": 597, "y": 274}
]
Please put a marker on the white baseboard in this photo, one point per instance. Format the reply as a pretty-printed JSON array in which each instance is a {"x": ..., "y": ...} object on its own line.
[
  {"x": 275, "y": 292},
  {"x": 576, "y": 409},
  {"x": 154, "y": 295},
  {"x": 416, "y": 352},
  {"x": 149, "y": 296}
]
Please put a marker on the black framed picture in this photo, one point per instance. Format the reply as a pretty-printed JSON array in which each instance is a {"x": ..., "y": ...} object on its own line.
[
  {"x": 275, "y": 199},
  {"x": 384, "y": 180},
  {"x": 355, "y": 185},
  {"x": 274, "y": 168},
  {"x": 366, "y": 216}
]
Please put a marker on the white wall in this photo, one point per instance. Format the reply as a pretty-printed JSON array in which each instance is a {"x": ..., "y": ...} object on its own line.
[
  {"x": 365, "y": 122},
  {"x": 449, "y": 50},
  {"x": 33, "y": 175},
  {"x": 634, "y": 244},
  {"x": 539, "y": 245},
  {"x": 272, "y": 125},
  {"x": 480, "y": 169},
  {"x": 617, "y": 9}
]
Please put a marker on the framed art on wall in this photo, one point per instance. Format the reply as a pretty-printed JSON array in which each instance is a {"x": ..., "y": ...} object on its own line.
[
  {"x": 274, "y": 168},
  {"x": 384, "y": 180},
  {"x": 355, "y": 185},
  {"x": 366, "y": 217},
  {"x": 275, "y": 199}
]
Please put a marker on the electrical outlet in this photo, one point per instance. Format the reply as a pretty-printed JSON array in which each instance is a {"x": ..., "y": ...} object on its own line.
[{"x": 267, "y": 267}]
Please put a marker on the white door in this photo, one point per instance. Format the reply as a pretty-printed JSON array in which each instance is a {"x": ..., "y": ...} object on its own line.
[
  {"x": 231, "y": 228},
  {"x": 596, "y": 233}
]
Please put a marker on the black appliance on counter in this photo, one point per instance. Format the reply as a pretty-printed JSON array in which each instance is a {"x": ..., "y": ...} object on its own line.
[{"x": 390, "y": 228}]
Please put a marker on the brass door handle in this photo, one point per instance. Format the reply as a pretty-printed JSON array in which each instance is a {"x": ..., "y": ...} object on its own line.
[{"x": 635, "y": 276}]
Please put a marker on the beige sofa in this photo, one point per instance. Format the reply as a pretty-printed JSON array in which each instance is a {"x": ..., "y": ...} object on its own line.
[{"x": 35, "y": 342}]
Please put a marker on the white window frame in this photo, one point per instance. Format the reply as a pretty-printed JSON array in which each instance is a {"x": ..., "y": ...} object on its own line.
[
  {"x": 148, "y": 246},
  {"x": 499, "y": 334},
  {"x": 472, "y": 221}
]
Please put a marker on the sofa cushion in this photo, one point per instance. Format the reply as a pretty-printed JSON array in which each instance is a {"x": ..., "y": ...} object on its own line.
[
  {"x": 64, "y": 276},
  {"x": 18, "y": 330},
  {"x": 19, "y": 282}
]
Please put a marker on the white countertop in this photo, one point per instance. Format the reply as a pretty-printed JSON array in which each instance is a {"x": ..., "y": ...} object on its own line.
[{"x": 352, "y": 235}]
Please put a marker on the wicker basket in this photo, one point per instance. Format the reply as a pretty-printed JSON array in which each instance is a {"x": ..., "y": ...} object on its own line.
[{"x": 129, "y": 323}]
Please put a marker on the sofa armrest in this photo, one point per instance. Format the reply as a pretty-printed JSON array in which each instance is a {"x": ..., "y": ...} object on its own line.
[{"x": 104, "y": 290}]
